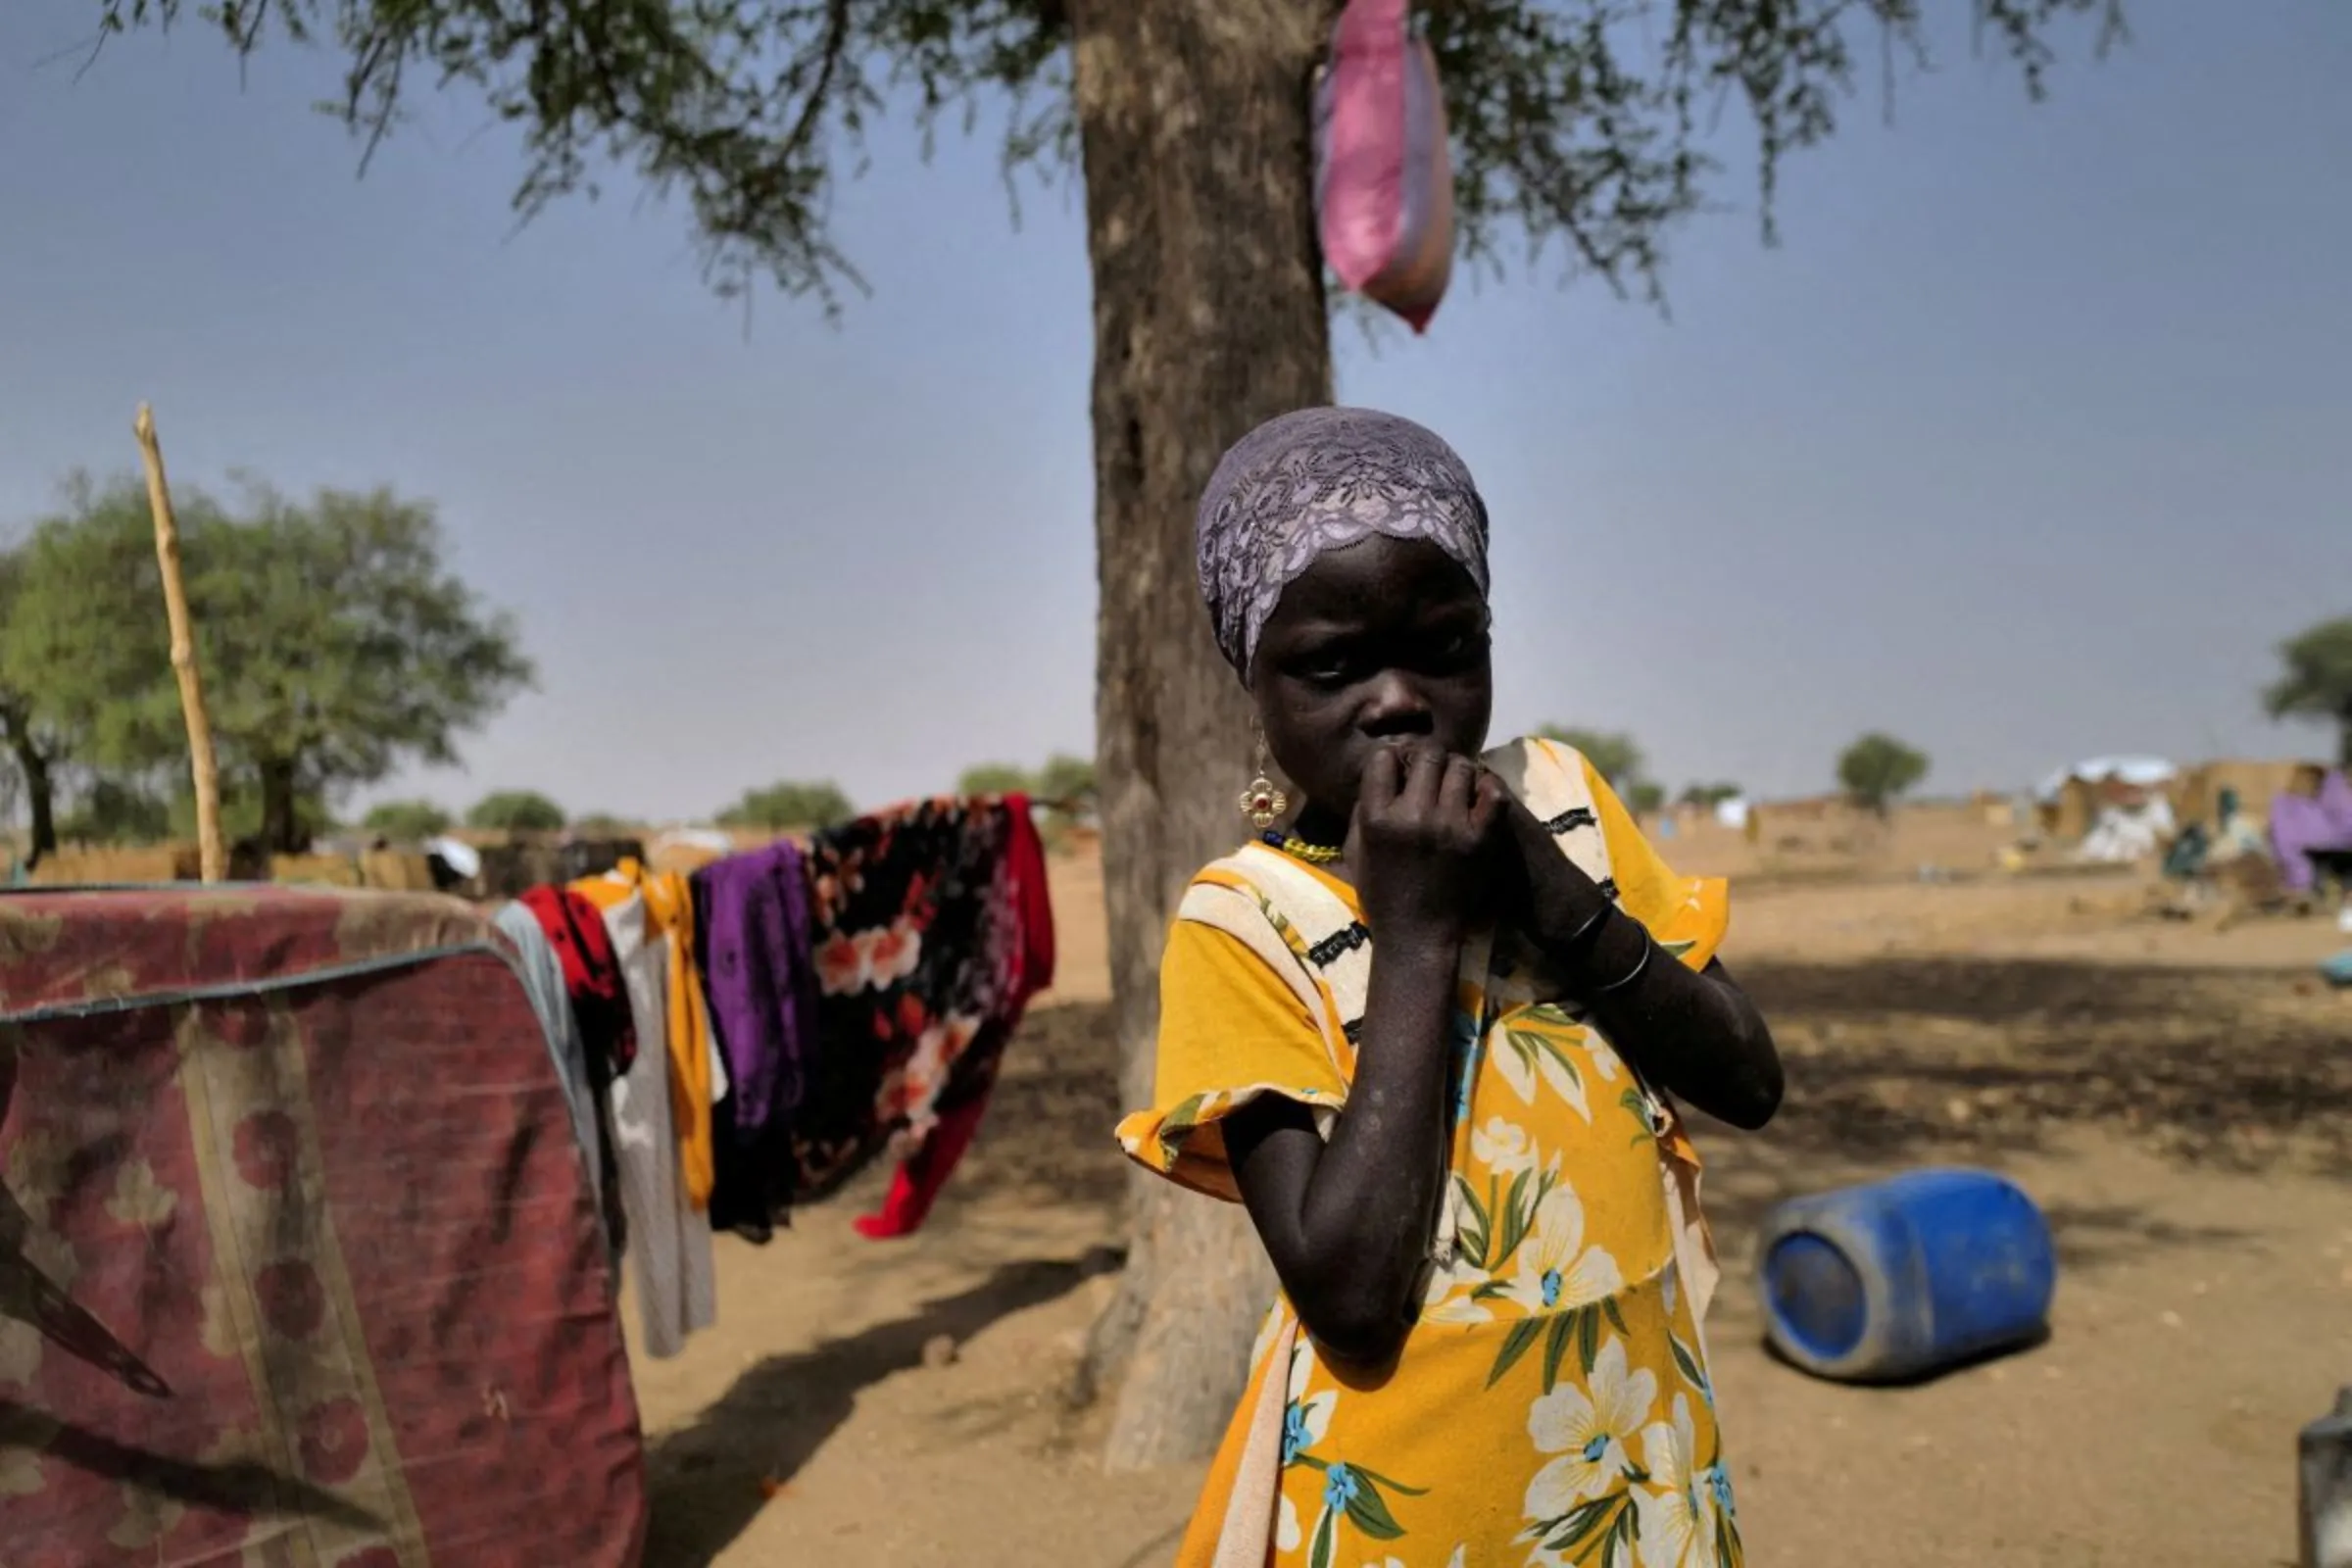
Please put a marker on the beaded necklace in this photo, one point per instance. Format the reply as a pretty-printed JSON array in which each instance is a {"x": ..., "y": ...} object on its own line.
[{"x": 1291, "y": 844}]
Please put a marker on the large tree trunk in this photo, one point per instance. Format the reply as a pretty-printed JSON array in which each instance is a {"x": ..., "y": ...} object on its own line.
[
  {"x": 1210, "y": 316},
  {"x": 40, "y": 801},
  {"x": 40, "y": 791},
  {"x": 282, "y": 831}
]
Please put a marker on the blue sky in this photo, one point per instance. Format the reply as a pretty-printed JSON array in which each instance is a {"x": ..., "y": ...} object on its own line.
[{"x": 2028, "y": 443}]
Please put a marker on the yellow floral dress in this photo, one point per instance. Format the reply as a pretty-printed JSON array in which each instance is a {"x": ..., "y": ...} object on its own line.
[{"x": 1552, "y": 1403}]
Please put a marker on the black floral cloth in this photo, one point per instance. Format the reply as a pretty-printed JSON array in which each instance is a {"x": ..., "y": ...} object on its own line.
[{"x": 925, "y": 930}]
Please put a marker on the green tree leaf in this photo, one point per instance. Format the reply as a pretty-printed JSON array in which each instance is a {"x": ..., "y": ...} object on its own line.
[{"x": 516, "y": 811}]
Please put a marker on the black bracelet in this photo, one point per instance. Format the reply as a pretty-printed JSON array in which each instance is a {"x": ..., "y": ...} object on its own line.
[
  {"x": 1640, "y": 966},
  {"x": 1575, "y": 940}
]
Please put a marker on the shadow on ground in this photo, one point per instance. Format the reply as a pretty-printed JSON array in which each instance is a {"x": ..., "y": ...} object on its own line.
[
  {"x": 1896, "y": 1062},
  {"x": 1048, "y": 1133},
  {"x": 1891, "y": 1062},
  {"x": 711, "y": 1478},
  {"x": 2213, "y": 1067}
]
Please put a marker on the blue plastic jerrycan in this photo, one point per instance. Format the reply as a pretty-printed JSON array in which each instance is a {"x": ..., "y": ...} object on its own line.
[{"x": 1900, "y": 1278}]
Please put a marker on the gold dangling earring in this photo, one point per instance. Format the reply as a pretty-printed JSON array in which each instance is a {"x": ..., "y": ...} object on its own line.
[{"x": 1264, "y": 800}]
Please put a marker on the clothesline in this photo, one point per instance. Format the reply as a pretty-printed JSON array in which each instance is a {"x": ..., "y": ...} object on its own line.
[{"x": 754, "y": 1034}]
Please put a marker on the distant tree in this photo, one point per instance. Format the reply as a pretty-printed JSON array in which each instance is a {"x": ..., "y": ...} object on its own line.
[
  {"x": 603, "y": 826},
  {"x": 333, "y": 643},
  {"x": 1067, "y": 778},
  {"x": 31, "y": 770},
  {"x": 2318, "y": 682},
  {"x": 406, "y": 822},
  {"x": 1877, "y": 770},
  {"x": 151, "y": 807},
  {"x": 1645, "y": 796},
  {"x": 1710, "y": 795},
  {"x": 243, "y": 810},
  {"x": 85, "y": 681},
  {"x": 516, "y": 811},
  {"x": 994, "y": 778},
  {"x": 46, "y": 707},
  {"x": 789, "y": 804},
  {"x": 342, "y": 647},
  {"x": 1067, "y": 785},
  {"x": 1614, "y": 755},
  {"x": 29, "y": 773}
]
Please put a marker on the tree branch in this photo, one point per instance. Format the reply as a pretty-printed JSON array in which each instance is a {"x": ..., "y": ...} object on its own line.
[
  {"x": 1567, "y": 121},
  {"x": 1572, "y": 120}
]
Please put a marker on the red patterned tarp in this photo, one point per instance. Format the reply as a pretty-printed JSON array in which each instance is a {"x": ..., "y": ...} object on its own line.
[{"x": 298, "y": 1262}]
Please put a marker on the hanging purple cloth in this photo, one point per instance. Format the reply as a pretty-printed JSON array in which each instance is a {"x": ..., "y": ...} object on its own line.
[
  {"x": 2304, "y": 825},
  {"x": 752, "y": 917}
]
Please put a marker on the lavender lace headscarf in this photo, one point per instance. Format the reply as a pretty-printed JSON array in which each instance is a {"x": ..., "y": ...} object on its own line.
[{"x": 1317, "y": 480}]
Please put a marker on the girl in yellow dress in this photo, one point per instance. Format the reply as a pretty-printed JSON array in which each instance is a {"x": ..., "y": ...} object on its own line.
[{"x": 1426, "y": 1029}]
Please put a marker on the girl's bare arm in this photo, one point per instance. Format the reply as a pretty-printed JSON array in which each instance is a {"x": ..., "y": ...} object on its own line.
[{"x": 1348, "y": 1224}]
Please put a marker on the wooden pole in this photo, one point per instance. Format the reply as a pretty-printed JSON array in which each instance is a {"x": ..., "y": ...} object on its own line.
[{"x": 211, "y": 854}]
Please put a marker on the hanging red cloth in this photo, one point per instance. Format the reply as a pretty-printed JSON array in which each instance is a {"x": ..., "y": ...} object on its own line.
[{"x": 600, "y": 1000}]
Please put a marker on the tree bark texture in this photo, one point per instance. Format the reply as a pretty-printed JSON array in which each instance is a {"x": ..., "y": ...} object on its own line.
[{"x": 1210, "y": 316}]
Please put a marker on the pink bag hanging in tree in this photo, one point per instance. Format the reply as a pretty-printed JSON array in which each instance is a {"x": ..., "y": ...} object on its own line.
[{"x": 1384, "y": 179}]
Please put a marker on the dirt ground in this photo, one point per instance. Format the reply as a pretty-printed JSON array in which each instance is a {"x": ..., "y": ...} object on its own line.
[{"x": 2176, "y": 1100}]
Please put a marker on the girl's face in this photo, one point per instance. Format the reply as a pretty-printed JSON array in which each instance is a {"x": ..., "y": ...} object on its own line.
[{"x": 1378, "y": 644}]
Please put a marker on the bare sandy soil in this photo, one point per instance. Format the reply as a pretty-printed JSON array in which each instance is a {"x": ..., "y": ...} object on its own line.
[{"x": 2176, "y": 1100}]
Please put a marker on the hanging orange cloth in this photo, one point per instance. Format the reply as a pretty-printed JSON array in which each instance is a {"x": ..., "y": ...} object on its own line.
[{"x": 693, "y": 1081}]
